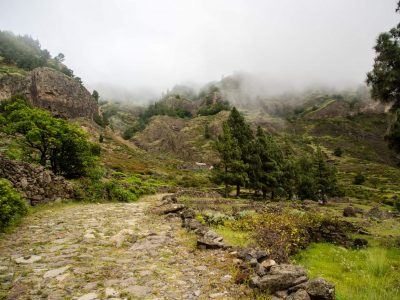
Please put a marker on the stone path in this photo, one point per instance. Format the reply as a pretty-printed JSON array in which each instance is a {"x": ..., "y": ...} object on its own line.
[{"x": 113, "y": 250}]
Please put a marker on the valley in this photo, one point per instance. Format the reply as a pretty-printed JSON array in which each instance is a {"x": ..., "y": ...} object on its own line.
[{"x": 242, "y": 187}]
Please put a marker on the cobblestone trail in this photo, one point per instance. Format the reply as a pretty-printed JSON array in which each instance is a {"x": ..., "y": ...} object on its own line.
[{"x": 113, "y": 250}]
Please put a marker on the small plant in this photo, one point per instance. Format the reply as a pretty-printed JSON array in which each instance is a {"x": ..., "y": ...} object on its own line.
[
  {"x": 397, "y": 204},
  {"x": 338, "y": 152},
  {"x": 359, "y": 179},
  {"x": 216, "y": 218},
  {"x": 207, "y": 133},
  {"x": 12, "y": 206}
]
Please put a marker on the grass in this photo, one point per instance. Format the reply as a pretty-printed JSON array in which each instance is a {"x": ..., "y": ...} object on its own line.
[
  {"x": 234, "y": 237},
  {"x": 367, "y": 274}
]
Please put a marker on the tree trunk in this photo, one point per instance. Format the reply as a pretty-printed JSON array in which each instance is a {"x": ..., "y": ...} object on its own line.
[
  {"x": 272, "y": 195},
  {"x": 226, "y": 190},
  {"x": 264, "y": 192},
  {"x": 43, "y": 158},
  {"x": 238, "y": 190}
]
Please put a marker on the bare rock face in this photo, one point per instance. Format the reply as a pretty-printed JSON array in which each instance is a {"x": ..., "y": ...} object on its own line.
[{"x": 49, "y": 89}]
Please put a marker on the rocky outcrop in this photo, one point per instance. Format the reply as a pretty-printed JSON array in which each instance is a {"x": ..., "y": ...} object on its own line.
[
  {"x": 35, "y": 183},
  {"x": 52, "y": 90}
]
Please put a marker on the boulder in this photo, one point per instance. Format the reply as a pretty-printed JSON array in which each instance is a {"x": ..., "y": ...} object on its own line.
[
  {"x": 320, "y": 289},
  {"x": 171, "y": 208},
  {"x": 349, "y": 211},
  {"x": 282, "y": 277},
  {"x": 203, "y": 243},
  {"x": 299, "y": 295}
]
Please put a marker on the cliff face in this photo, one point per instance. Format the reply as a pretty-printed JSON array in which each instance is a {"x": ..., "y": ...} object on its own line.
[{"x": 51, "y": 90}]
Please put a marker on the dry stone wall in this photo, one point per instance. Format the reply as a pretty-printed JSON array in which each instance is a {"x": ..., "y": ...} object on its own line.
[{"x": 35, "y": 183}]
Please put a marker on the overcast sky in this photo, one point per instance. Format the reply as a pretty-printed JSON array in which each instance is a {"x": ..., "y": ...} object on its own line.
[{"x": 156, "y": 44}]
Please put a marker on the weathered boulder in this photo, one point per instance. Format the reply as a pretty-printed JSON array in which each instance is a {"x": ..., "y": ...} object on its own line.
[
  {"x": 250, "y": 254},
  {"x": 320, "y": 289},
  {"x": 299, "y": 295},
  {"x": 281, "y": 277},
  {"x": 263, "y": 268},
  {"x": 349, "y": 211},
  {"x": 206, "y": 243},
  {"x": 171, "y": 208},
  {"x": 47, "y": 88},
  {"x": 35, "y": 183}
]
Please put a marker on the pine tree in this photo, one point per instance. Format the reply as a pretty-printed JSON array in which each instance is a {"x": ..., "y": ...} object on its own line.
[
  {"x": 384, "y": 79},
  {"x": 265, "y": 164},
  {"x": 243, "y": 135},
  {"x": 231, "y": 169},
  {"x": 325, "y": 177}
]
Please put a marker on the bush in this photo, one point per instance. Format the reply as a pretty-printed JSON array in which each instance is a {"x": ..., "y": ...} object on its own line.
[
  {"x": 338, "y": 152},
  {"x": 119, "y": 187},
  {"x": 12, "y": 206},
  {"x": 215, "y": 218},
  {"x": 359, "y": 179},
  {"x": 285, "y": 233},
  {"x": 397, "y": 204}
]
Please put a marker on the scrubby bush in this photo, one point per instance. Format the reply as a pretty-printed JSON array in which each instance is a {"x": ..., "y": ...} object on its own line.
[
  {"x": 119, "y": 187},
  {"x": 12, "y": 206},
  {"x": 338, "y": 152},
  {"x": 285, "y": 233},
  {"x": 397, "y": 204},
  {"x": 215, "y": 218},
  {"x": 359, "y": 179}
]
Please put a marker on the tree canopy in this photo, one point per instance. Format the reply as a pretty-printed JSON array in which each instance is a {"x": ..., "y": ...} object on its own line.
[
  {"x": 384, "y": 78},
  {"x": 27, "y": 53},
  {"x": 56, "y": 143},
  {"x": 258, "y": 162}
]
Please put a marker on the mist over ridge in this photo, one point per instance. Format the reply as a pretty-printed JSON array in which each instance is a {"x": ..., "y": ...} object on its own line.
[{"x": 135, "y": 50}]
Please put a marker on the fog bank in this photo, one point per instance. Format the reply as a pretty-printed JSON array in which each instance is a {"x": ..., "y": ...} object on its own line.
[{"x": 138, "y": 49}]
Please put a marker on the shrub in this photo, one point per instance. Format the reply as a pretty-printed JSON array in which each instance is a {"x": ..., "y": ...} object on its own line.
[
  {"x": 359, "y": 179},
  {"x": 12, "y": 206},
  {"x": 397, "y": 204},
  {"x": 285, "y": 233},
  {"x": 338, "y": 152},
  {"x": 215, "y": 218},
  {"x": 117, "y": 188}
]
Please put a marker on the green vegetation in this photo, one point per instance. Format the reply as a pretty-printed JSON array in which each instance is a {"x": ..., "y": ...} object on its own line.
[
  {"x": 161, "y": 108},
  {"x": 53, "y": 142},
  {"x": 393, "y": 137},
  {"x": 365, "y": 274},
  {"x": 338, "y": 152},
  {"x": 118, "y": 187},
  {"x": 26, "y": 53},
  {"x": 359, "y": 179},
  {"x": 96, "y": 96},
  {"x": 12, "y": 206},
  {"x": 261, "y": 164},
  {"x": 384, "y": 79}
]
